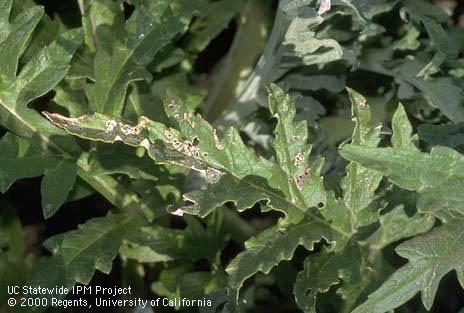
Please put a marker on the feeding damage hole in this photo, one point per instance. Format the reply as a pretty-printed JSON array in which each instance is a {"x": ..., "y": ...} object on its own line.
[
  {"x": 299, "y": 159},
  {"x": 100, "y": 127},
  {"x": 213, "y": 175},
  {"x": 302, "y": 178},
  {"x": 190, "y": 149}
]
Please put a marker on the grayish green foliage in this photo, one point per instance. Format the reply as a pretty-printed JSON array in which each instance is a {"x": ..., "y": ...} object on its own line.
[
  {"x": 429, "y": 261},
  {"x": 439, "y": 195},
  {"x": 289, "y": 185},
  {"x": 423, "y": 172},
  {"x": 76, "y": 254},
  {"x": 111, "y": 77}
]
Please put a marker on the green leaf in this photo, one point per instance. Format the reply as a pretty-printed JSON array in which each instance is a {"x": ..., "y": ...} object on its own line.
[
  {"x": 226, "y": 161},
  {"x": 396, "y": 225},
  {"x": 358, "y": 268},
  {"x": 211, "y": 22},
  {"x": 47, "y": 67},
  {"x": 36, "y": 78},
  {"x": 444, "y": 92},
  {"x": 15, "y": 35},
  {"x": 435, "y": 176},
  {"x": 402, "y": 129},
  {"x": 442, "y": 45},
  {"x": 44, "y": 71},
  {"x": 123, "y": 160},
  {"x": 124, "y": 61},
  {"x": 193, "y": 243},
  {"x": 13, "y": 250},
  {"x": 273, "y": 245},
  {"x": 235, "y": 174},
  {"x": 360, "y": 183},
  {"x": 335, "y": 266},
  {"x": 445, "y": 135},
  {"x": 76, "y": 254},
  {"x": 293, "y": 43},
  {"x": 93, "y": 245},
  {"x": 21, "y": 158},
  {"x": 56, "y": 186},
  {"x": 142, "y": 254},
  {"x": 429, "y": 260},
  {"x": 411, "y": 169},
  {"x": 439, "y": 38},
  {"x": 355, "y": 209}
]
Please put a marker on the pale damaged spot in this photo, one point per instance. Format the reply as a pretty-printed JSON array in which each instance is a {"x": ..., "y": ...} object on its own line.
[
  {"x": 177, "y": 145},
  {"x": 61, "y": 120},
  {"x": 367, "y": 181},
  {"x": 325, "y": 6},
  {"x": 190, "y": 149},
  {"x": 110, "y": 125},
  {"x": 193, "y": 209},
  {"x": 171, "y": 104},
  {"x": 177, "y": 212},
  {"x": 186, "y": 197},
  {"x": 135, "y": 130},
  {"x": 195, "y": 165},
  {"x": 188, "y": 118},
  {"x": 186, "y": 147},
  {"x": 213, "y": 175},
  {"x": 126, "y": 129},
  {"x": 299, "y": 159},
  {"x": 145, "y": 143},
  {"x": 302, "y": 178},
  {"x": 216, "y": 141},
  {"x": 99, "y": 127},
  {"x": 168, "y": 135},
  {"x": 363, "y": 103}
]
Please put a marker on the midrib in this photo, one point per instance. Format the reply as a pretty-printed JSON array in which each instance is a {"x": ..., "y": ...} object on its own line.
[{"x": 82, "y": 172}]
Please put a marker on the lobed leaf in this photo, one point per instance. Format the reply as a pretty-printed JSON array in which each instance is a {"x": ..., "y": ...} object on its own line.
[
  {"x": 349, "y": 264},
  {"x": 272, "y": 246},
  {"x": 76, "y": 254},
  {"x": 445, "y": 135},
  {"x": 237, "y": 175},
  {"x": 435, "y": 175},
  {"x": 429, "y": 260},
  {"x": 125, "y": 59},
  {"x": 195, "y": 145},
  {"x": 38, "y": 76}
]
